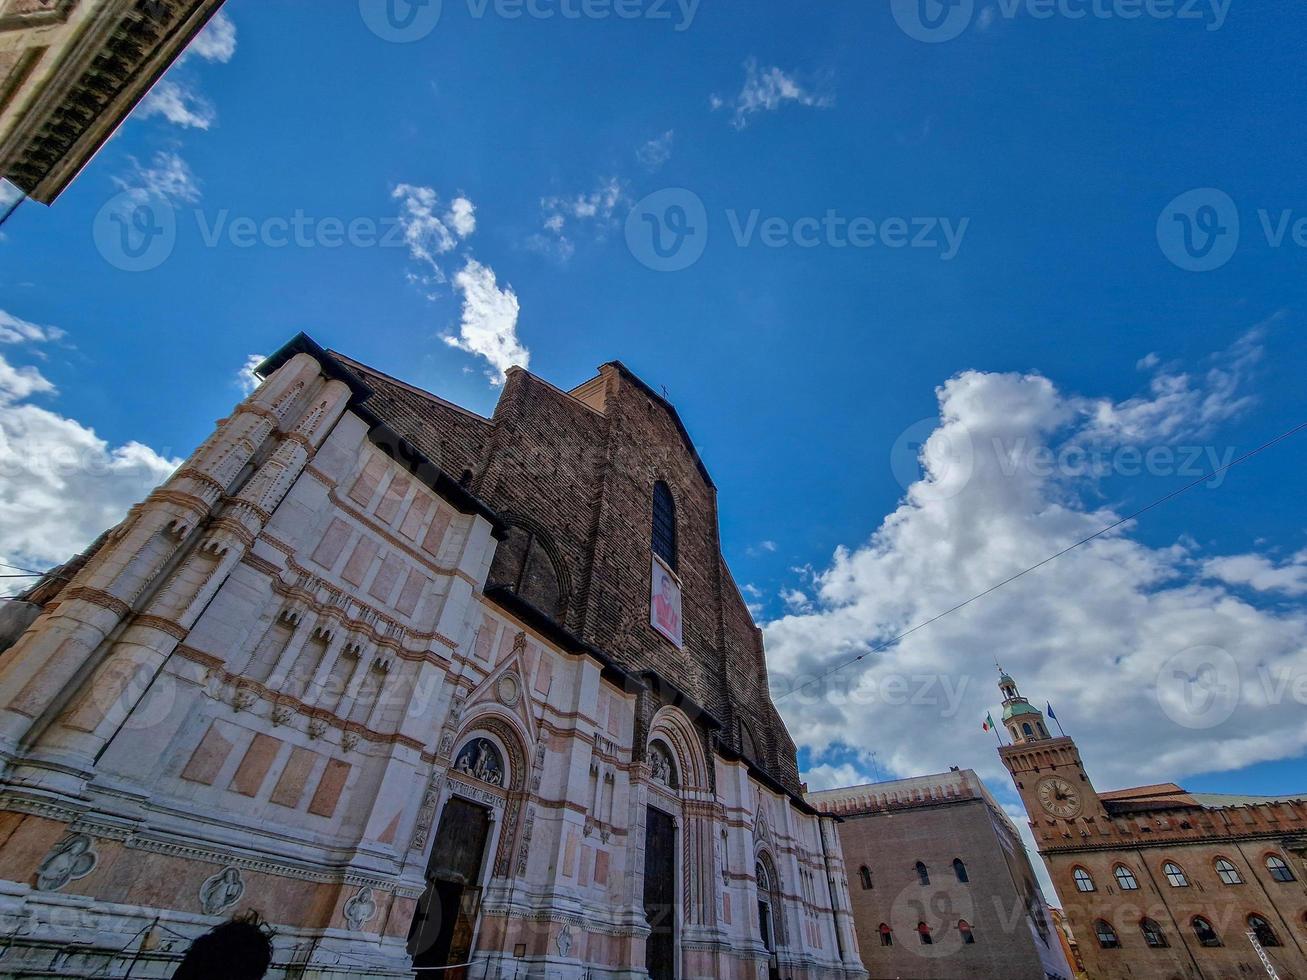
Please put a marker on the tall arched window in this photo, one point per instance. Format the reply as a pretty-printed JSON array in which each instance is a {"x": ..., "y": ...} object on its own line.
[
  {"x": 1125, "y": 878},
  {"x": 964, "y": 930},
  {"x": 1228, "y": 873},
  {"x": 1262, "y": 929},
  {"x": 1106, "y": 935},
  {"x": 1278, "y": 869},
  {"x": 865, "y": 874},
  {"x": 922, "y": 874},
  {"x": 1153, "y": 935},
  {"x": 664, "y": 524},
  {"x": 886, "y": 935},
  {"x": 1084, "y": 881},
  {"x": 1175, "y": 875},
  {"x": 1204, "y": 931},
  {"x": 960, "y": 870},
  {"x": 1025, "y": 727}
]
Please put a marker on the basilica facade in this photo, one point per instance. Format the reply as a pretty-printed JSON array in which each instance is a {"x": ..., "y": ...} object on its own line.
[{"x": 424, "y": 690}]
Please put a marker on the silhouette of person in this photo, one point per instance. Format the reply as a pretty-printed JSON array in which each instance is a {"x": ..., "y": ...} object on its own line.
[{"x": 240, "y": 949}]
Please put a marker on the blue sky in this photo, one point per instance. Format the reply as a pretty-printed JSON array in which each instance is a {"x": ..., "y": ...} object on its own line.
[{"x": 809, "y": 374}]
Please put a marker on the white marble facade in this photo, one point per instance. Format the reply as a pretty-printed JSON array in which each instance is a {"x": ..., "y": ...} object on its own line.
[{"x": 255, "y": 694}]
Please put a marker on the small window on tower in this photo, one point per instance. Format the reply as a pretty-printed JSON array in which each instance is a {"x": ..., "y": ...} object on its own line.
[
  {"x": 1153, "y": 935},
  {"x": 1025, "y": 727},
  {"x": 964, "y": 930},
  {"x": 923, "y": 931},
  {"x": 1175, "y": 875},
  {"x": 1084, "y": 881},
  {"x": 923, "y": 875},
  {"x": 1205, "y": 933},
  {"x": 865, "y": 874},
  {"x": 886, "y": 935},
  {"x": 1262, "y": 930},
  {"x": 960, "y": 870},
  {"x": 1106, "y": 935},
  {"x": 1125, "y": 878}
]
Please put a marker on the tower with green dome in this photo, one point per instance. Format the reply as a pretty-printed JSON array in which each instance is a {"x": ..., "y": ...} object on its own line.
[{"x": 1024, "y": 722}]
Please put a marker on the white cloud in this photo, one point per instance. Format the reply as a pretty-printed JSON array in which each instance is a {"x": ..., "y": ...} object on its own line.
[
  {"x": 489, "y": 325},
  {"x": 246, "y": 380},
  {"x": 217, "y": 42},
  {"x": 9, "y": 193},
  {"x": 429, "y": 234},
  {"x": 1261, "y": 573},
  {"x": 656, "y": 152},
  {"x": 15, "y": 330},
  {"x": 173, "y": 97},
  {"x": 1101, "y": 632},
  {"x": 60, "y": 483},
  {"x": 167, "y": 179},
  {"x": 766, "y": 90},
  {"x": 179, "y": 104},
  {"x": 595, "y": 210}
]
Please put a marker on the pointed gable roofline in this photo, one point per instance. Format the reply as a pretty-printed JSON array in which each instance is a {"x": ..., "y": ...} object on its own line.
[{"x": 671, "y": 410}]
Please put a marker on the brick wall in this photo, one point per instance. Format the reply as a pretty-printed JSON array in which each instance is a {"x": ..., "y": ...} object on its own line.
[{"x": 579, "y": 475}]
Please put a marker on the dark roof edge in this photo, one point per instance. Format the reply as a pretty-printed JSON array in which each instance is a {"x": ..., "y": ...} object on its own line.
[
  {"x": 774, "y": 784},
  {"x": 543, "y": 623},
  {"x": 671, "y": 409},
  {"x": 382, "y": 434}
]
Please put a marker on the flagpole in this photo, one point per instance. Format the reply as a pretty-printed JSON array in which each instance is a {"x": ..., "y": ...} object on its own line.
[{"x": 1051, "y": 714}]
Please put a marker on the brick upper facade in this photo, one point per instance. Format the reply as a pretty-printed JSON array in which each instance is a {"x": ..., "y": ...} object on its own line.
[{"x": 576, "y": 471}]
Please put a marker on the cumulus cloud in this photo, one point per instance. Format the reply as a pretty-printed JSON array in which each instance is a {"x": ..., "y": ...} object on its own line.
[
  {"x": 179, "y": 104},
  {"x": 1104, "y": 633},
  {"x": 656, "y": 152},
  {"x": 489, "y": 324},
  {"x": 246, "y": 380},
  {"x": 166, "y": 179},
  {"x": 174, "y": 97},
  {"x": 430, "y": 231},
  {"x": 565, "y": 216},
  {"x": 217, "y": 42},
  {"x": 60, "y": 483},
  {"x": 15, "y": 330},
  {"x": 766, "y": 90},
  {"x": 1261, "y": 573}
]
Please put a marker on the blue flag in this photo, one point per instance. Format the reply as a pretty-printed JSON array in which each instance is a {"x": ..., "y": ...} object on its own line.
[{"x": 1049, "y": 712}]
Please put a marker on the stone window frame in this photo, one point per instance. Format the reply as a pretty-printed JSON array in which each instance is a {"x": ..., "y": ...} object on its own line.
[
  {"x": 1106, "y": 934},
  {"x": 1125, "y": 877},
  {"x": 1226, "y": 871},
  {"x": 1215, "y": 941},
  {"x": 1154, "y": 935},
  {"x": 1278, "y": 868},
  {"x": 1081, "y": 877},
  {"x": 1175, "y": 875}
]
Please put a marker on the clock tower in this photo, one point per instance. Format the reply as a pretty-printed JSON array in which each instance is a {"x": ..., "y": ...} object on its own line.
[{"x": 1047, "y": 771}]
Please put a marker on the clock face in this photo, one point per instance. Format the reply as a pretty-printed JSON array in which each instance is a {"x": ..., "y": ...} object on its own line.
[{"x": 1059, "y": 797}]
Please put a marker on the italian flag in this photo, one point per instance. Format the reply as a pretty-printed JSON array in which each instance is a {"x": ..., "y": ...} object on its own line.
[{"x": 989, "y": 723}]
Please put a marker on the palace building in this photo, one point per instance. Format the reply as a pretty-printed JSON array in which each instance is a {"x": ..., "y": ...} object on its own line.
[
  {"x": 423, "y": 689},
  {"x": 1158, "y": 883},
  {"x": 940, "y": 882},
  {"x": 72, "y": 70}
]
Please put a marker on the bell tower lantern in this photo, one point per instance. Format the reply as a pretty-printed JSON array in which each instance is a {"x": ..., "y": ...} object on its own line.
[{"x": 1023, "y": 721}]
